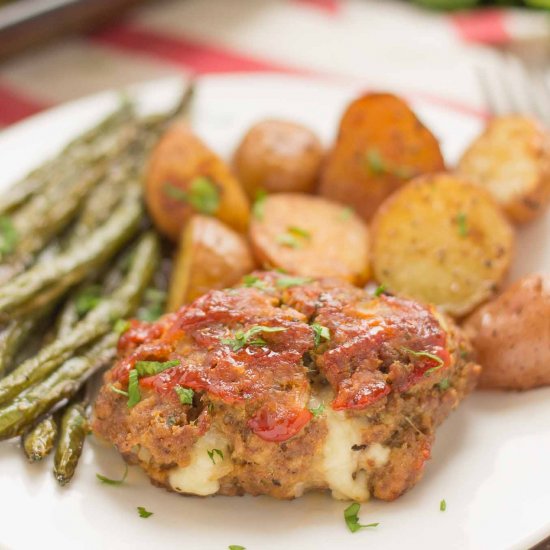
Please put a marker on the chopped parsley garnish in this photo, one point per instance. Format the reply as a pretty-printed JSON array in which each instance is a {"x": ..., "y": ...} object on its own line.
[
  {"x": 320, "y": 333},
  {"x": 375, "y": 162},
  {"x": 286, "y": 282},
  {"x": 134, "y": 395},
  {"x": 212, "y": 455},
  {"x": 8, "y": 236},
  {"x": 121, "y": 326},
  {"x": 118, "y": 390},
  {"x": 236, "y": 547},
  {"x": 444, "y": 384},
  {"x": 346, "y": 213},
  {"x": 185, "y": 395},
  {"x": 317, "y": 411},
  {"x": 380, "y": 290},
  {"x": 258, "y": 208},
  {"x": 462, "y": 222},
  {"x": 153, "y": 308},
  {"x": 143, "y": 513},
  {"x": 246, "y": 338},
  {"x": 442, "y": 505},
  {"x": 87, "y": 299},
  {"x": 431, "y": 356},
  {"x": 108, "y": 481},
  {"x": 202, "y": 195},
  {"x": 352, "y": 520},
  {"x": 251, "y": 281},
  {"x": 150, "y": 368},
  {"x": 293, "y": 237}
]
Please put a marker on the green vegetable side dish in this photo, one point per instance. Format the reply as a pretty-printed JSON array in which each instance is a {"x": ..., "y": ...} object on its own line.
[
  {"x": 39, "y": 441},
  {"x": 73, "y": 431},
  {"x": 8, "y": 236}
]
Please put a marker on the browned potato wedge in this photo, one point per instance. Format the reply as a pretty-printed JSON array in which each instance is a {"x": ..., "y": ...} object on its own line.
[
  {"x": 211, "y": 255},
  {"x": 511, "y": 159},
  {"x": 380, "y": 146},
  {"x": 184, "y": 177},
  {"x": 278, "y": 156},
  {"x": 443, "y": 241},
  {"x": 310, "y": 236},
  {"x": 511, "y": 335}
]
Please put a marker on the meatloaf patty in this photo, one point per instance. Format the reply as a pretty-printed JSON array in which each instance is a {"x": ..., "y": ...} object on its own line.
[{"x": 284, "y": 385}]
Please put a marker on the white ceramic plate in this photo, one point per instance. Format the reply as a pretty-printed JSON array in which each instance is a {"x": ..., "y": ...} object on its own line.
[{"x": 490, "y": 461}]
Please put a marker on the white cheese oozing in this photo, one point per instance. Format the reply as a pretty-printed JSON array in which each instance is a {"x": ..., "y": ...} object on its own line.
[
  {"x": 201, "y": 477},
  {"x": 346, "y": 470}
]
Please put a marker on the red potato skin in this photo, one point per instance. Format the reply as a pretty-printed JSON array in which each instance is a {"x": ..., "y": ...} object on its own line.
[
  {"x": 511, "y": 336},
  {"x": 383, "y": 123}
]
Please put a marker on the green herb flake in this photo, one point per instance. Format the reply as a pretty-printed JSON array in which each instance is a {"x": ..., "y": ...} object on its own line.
[
  {"x": 143, "y": 513},
  {"x": 380, "y": 290},
  {"x": 108, "y": 481},
  {"x": 431, "y": 356},
  {"x": 375, "y": 161},
  {"x": 258, "y": 208},
  {"x": 462, "y": 222},
  {"x": 320, "y": 333},
  {"x": 236, "y": 547},
  {"x": 346, "y": 213},
  {"x": 246, "y": 338},
  {"x": 185, "y": 395},
  {"x": 134, "y": 395},
  {"x": 150, "y": 368},
  {"x": 286, "y": 282},
  {"x": 87, "y": 299},
  {"x": 212, "y": 455},
  {"x": 299, "y": 232},
  {"x": 288, "y": 240},
  {"x": 8, "y": 236},
  {"x": 352, "y": 519},
  {"x": 444, "y": 384},
  {"x": 251, "y": 281},
  {"x": 121, "y": 326},
  {"x": 442, "y": 505},
  {"x": 203, "y": 195},
  {"x": 118, "y": 390},
  {"x": 317, "y": 411}
]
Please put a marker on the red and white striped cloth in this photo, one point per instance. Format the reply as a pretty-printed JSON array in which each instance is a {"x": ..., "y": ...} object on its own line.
[{"x": 384, "y": 43}]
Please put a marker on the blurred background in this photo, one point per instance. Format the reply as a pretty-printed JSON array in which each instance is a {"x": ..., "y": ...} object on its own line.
[{"x": 52, "y": 51}]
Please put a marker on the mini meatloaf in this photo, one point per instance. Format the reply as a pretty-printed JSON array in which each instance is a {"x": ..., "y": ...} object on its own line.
[{"x": 284, "y": 385}]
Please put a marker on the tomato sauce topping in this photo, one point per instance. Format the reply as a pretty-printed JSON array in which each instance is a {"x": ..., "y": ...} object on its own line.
[{"x": 246, "y": 347}]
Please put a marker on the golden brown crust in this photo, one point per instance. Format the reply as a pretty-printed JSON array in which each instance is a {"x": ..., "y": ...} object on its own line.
[
  {"x": 381, "y": 145},
  {"x": 511, "y": 159}
]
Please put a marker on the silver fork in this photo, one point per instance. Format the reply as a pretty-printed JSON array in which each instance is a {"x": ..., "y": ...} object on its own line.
[{"x": 512, "y": 86}]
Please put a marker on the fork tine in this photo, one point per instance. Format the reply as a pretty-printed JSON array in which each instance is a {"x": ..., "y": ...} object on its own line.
[
  {"x": 540, "y": 94},
  {"x": 487, "y": 91}
]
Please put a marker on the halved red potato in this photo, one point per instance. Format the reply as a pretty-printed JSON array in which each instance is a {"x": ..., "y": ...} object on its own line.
[
  {"x": 185, "y": 177},
  {"x": 310, "y": 236},
  {"x": 511, "y": 159},
  {"x": 381, "y": 145},
  {"x": 278, "y": 156},
  {"x": 443, "y": 241},
  {"x": 211, "y": 256}
]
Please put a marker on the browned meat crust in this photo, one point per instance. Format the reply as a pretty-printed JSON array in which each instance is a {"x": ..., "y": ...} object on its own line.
[{"x": 388, "y": 375}]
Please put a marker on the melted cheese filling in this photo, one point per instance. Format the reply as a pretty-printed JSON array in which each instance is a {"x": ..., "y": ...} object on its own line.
[
  {"x": 201, "y": 477},
  {"x": 346, "y": 470}
]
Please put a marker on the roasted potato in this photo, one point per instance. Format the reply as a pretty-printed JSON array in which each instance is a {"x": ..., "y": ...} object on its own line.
[
  {"x": 511, "y": 159},
  {"x": 380, "y": 146},
  {"x": 443, "y": 241},
  {"x": 278, "y": 156},
  {"x": 310, "y": 236},
  {"x": 511, "y": 335},
  {"x": 211, "y": 255},
  {"x": 185, "y": 177}
]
